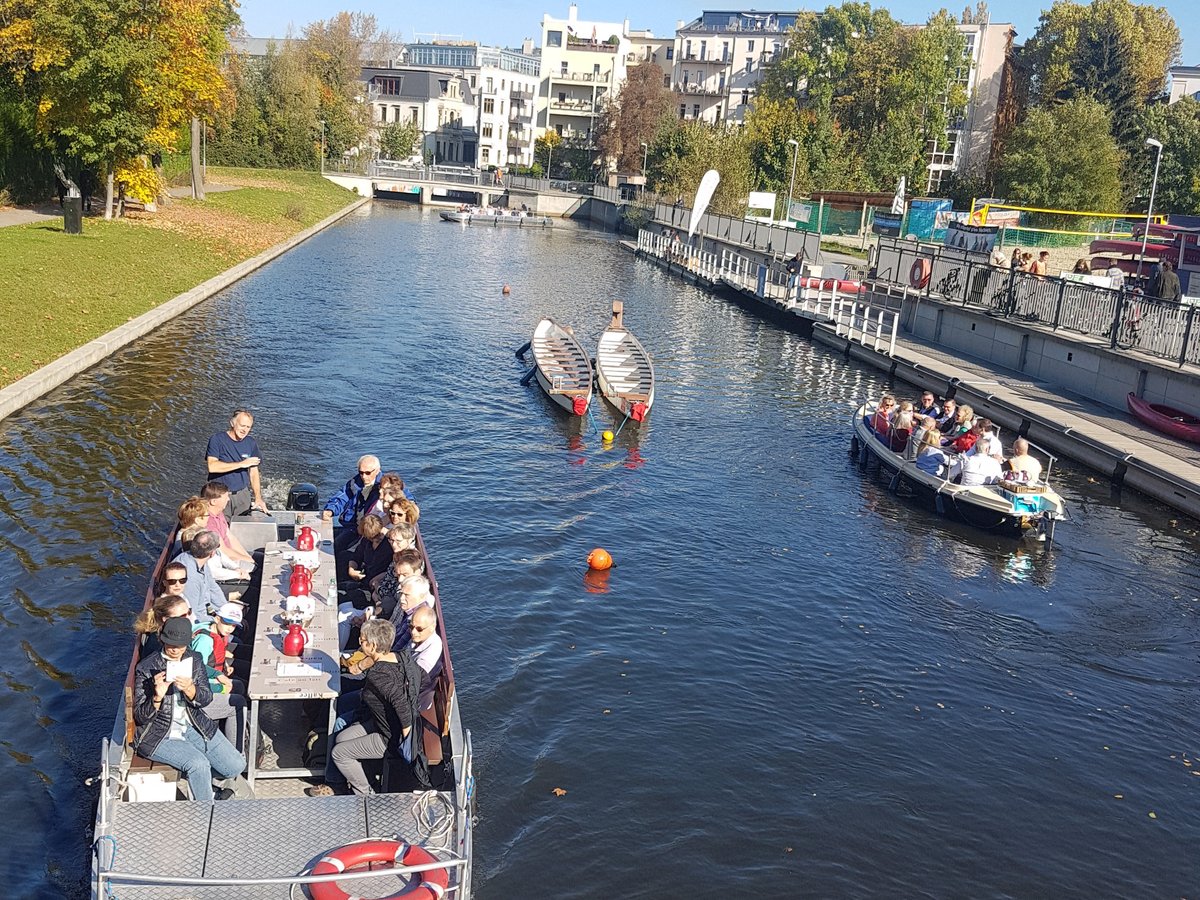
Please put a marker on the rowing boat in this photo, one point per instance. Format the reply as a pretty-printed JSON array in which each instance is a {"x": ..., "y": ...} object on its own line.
[
  {"x": 624, "y": 369},
  {"x": 1006, "y": 506},
  {"x": 496, "y": 217},
  {"x": 562, "y": 367},
  {"x": 1167, "y": 419}
]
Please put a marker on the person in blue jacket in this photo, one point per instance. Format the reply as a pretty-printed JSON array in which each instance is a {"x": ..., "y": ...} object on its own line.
[{"x": 351, "y": 503}]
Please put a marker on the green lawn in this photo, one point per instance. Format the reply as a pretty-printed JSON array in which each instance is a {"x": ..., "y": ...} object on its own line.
[{"x": 61, "y": 291}]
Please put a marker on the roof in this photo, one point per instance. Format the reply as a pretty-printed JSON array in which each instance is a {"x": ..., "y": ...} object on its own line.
[{"x": 418, "y": 84}]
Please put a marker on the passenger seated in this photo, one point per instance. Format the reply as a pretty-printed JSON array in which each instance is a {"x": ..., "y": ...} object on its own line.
[
  {"x": 881, "y": 421},
  {"x": 929, "y": 406},
  {"x": 373, "y": 553},
  {"x": 232, "y": 554},
  {"x": 964, "y": 442},
  {"x": 229, "y": 702},
  {"x": 949, "y": 414},
  {"x": 191, "y": 516},
  {"x": 924, "y": 425},
  {"x": 386, "y": 593},
  {"x": 402, "y": 536},
  {"x": 930, "y": 456},
  {"x": 351, "y": 503},
  {"x": 150, "y": 622},
  {"x": 964, "y": 418},
  {"x": 902, "y": 424},
  {"x": 1021, "y": 466},
  {"x": 388, "y": 710},
  {"x": 978, "y": 469},
  {"x": 426, "y": 649},
  {"x": 403, "y": 510},
  {"x": 172, "y": 727},
  {"x": 988, "y": 442},
  {"x": 201, "y": 589},
  {"x": 391, "y": 487}
]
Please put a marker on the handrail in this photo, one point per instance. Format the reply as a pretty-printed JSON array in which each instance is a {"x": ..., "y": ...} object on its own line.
[{"x": 180, "y": 881}]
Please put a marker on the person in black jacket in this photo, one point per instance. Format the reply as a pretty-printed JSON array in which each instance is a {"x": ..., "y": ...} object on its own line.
[
  {"x": 387, "y": 709},
  {"x": 171, "y": 726}
]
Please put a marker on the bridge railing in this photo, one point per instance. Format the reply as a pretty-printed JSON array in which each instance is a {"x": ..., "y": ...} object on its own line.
[
  {"x": 551, "y": 185},
  {"x": 382, "y": 168}
]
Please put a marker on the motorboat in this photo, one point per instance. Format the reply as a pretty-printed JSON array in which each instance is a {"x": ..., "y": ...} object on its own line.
[
  {"x": 1167, "y": 419},
  {"x": 624, "y": 369},
  {"x": 561, "y": 367},
  {"x": 1006, "y": 506},
  {"x": 486, "y": 215}
]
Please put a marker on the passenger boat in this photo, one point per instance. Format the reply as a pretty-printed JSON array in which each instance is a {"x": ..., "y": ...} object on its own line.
[
  {"x": 562, "y": 367},
  {"x": 1003, "y": 507},
  {"x": 477, "y": 215},
  {"x": 262, "y": 848},
  {"x": 624, "y": 369},
  {"x": 1167, "y": 419}
]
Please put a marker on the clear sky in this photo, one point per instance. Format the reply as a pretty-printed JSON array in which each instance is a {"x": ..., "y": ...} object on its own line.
[{"x": 506, "y": 23}]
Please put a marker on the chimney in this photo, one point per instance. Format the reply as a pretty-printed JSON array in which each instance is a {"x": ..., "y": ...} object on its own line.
[
  {"x": 572, "y": 13},
  {"x": 679, "y": 23},
  {"x": 527, "y": 46}
]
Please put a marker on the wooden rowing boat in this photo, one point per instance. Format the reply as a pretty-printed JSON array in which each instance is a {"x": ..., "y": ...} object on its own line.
[
  {"x": 1167, "y": 419},
  {"x": 624, "y": 369},
  {"x": 562, "y": 367}
]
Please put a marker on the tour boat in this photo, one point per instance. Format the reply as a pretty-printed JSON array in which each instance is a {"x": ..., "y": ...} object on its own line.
[
  {"x": 1006, "y": 506},
  {"x": 151, "y": 841},
  {"x": 1167, "y": 419},
  {"x": 624, "y": 369},
  {"x": 476, "y": 215},
  {"x": 562, "y": 367}
]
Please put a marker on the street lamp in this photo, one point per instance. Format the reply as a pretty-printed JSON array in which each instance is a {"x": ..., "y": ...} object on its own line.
[
  {"x": 645, "y": 156},
  {"x": 549, "y": 159},
  {"x": 1157, "y": 145},
  {"x": 322, "y": 146},
  {"x": 792, "y": 186}
]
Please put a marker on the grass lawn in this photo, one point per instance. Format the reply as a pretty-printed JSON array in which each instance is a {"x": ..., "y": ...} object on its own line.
[{"x": 61, "y": 291}]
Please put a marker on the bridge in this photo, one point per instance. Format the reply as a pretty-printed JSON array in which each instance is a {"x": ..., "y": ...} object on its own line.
[{"x": 436, "y": 185}]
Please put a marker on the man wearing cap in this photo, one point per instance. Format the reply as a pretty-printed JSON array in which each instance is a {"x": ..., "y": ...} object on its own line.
[
  {"x": 201, "y": 588},
  {"x": 211, "y": 641},
  {"x": 233, "y": 458},
  {"x": 170, "y": 692}
]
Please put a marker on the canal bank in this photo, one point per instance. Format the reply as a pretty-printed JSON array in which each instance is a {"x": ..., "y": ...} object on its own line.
[
  {"x": 40, "y": 382},
  {"x": 1064, "y": 422}
]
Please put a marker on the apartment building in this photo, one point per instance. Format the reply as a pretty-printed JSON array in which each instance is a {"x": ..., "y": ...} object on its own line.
[
  {"x": 1185, "y": 82},
  {"x": 718, "y": 60},
  {"x": 504, "y": 82},
  {"x": 442, "y": 104},
  {"x": 583, "y": 62}
]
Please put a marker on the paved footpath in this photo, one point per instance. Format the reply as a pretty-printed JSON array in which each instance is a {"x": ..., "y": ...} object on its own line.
[{"x": 23, "y": 215}]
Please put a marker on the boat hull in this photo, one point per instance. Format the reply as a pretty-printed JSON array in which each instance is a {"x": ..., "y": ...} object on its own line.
[
  {"x": 625, "y": 373},
  {"x": 563, "y": 370},
  {"x": 1166, "y": 419},
  {"x": 505, "y": 220}
]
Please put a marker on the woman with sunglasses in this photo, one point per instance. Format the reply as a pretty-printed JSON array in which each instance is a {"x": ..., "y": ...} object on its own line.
[{"x": 150, "y": 622}]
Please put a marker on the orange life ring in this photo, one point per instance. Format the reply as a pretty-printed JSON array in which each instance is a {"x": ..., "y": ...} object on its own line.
[
  {"x": 432, "y": 887},
  {"x": 918, "y": 274}
]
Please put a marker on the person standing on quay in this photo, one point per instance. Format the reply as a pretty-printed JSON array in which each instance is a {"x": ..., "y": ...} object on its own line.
[
  {"x": 1167, "y": 283},
  {"x": 233, "y": 458}
]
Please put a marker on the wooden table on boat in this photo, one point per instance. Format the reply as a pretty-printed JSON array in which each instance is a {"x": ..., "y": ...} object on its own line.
[{"x": 316, "y": 674}]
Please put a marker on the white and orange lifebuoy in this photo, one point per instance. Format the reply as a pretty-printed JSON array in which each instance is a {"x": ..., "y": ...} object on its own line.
[
  {"x": 433, "y": 881},
  {"x": 918, "y": 273}
]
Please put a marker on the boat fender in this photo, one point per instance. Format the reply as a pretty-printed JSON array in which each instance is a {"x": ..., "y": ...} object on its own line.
[
  {"x": 854, "y": 445},
  {"x": 637, "y": 412},
  {"x": 579, "y": 405},
  {"x": 863, "y": 456},
  {"x": 918, "y": 273},
  {"x": 432, "y": 887},
  {"x": 940, "y": 502},
  {"x": 894, "y": 484},
  {"x": 528, "y": 377}
]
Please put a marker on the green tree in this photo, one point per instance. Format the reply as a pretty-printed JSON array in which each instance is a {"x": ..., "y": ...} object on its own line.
[
  {"x": 633, "y": 116},
  {"x": 1178, "y": 127},
  {"x": 683, "y": 152},
  {"x": 399, "y": 140},
  {"x": 333, "y": 51},
  {"x": 544, "y": 149},
  {"x": 1063, "y": 157}
]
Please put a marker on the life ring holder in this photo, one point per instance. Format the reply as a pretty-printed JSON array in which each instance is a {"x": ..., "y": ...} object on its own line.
[
  {"x": 919, "y": 272},
  {"x": 433, "y": 881}
]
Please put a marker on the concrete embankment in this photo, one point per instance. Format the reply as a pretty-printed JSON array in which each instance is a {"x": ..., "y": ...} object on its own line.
[
  {"x": 39, "y": 383},
  {"x": 1068, "y": 423}
]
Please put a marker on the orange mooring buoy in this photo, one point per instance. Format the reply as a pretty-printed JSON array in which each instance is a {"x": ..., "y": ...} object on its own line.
[
  {"x": 506, "y": 290},
  {"x": 599, "y": 560}
]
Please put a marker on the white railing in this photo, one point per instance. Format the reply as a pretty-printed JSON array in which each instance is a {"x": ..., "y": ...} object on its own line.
[{"x": 872, "y": 326}]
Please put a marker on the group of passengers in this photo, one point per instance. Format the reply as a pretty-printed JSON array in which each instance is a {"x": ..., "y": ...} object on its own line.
[
  {"x": 190, "y": 686},
  {"x": 948, "y": 440}
]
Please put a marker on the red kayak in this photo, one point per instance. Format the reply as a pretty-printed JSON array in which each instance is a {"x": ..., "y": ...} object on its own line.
[{"x": 1166, "y": 419}]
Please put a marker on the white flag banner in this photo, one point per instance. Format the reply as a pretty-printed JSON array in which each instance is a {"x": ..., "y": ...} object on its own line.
[
  {"x": 704, "y": 193},
  {"x": 898, "y": 200}
]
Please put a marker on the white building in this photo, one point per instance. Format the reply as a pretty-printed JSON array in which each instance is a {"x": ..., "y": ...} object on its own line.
[
  {"x": 440, "y": 103},
  {"x": 719, "y": 58},
  {"x": 504, "y": 83},
  {"x": 1185, "y": 82},
  {"x": 582, "y": 63}
]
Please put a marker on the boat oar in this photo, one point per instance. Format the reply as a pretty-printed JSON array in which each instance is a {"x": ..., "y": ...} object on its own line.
[
  {"x": 528, "y": 377},
  {"x": 523, "y": 349}
]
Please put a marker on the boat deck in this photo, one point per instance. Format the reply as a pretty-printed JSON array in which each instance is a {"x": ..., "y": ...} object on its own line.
[
  {"x": 564, "y": 364},
  {"x": 267, "y": 837}
]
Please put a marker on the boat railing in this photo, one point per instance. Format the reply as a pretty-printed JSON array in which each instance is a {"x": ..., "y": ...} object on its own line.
[
  {"x": 871, "y": 326},
  {"x": 106, "y": 879}
]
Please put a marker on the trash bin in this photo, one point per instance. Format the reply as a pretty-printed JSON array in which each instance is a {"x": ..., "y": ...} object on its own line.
[{"x": 73, "y": 215}]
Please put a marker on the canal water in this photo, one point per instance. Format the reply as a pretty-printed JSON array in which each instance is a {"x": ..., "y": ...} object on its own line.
[{"x": 792, "y": 684}]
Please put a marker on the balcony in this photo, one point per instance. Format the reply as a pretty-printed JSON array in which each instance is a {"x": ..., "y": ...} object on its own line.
[
  {"x": 574, "y": 107},
  {"x": 704, "y": 60},
  {"x": 601, "y": 77},
  {"x": 518, "y": 140},
  {"x": 519, "y": 96},
  {"x": 574, "y": 43},
  {"x": 697, "y": 89}
]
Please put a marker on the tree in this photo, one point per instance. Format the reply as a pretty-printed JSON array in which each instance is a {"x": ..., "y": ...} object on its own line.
[
  {"x": 1178, "y": 127},
  {"x": 633, "y": 116},
  {"x": 544, "y": 148},
  {"x": 683, "y": 152},
  {"x": 333, "y": 51},
  {"x": 1063, "y": 157},
  {"x": 399, "y": 140}
]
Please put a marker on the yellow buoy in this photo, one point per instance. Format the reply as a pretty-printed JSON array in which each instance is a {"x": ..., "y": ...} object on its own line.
[{"x": 608, "y": 435}]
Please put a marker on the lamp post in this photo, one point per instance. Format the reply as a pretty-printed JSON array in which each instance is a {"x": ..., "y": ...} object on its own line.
[
  {"x": 322, "y": 146},
  {"x": 549, "y": 159},
  {"x": 645, "y": 156},
  {"x": 1158, "y": 147},
  {"x": 792, "y": 186}
]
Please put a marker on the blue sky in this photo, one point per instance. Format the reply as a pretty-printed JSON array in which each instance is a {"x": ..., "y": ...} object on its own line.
[{"x": 507, "y": 22}]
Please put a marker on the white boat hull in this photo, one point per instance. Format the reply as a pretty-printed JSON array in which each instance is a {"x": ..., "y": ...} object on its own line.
[
  {"x": 563, "y": 369},
  {"x": 625, "y": 373}
]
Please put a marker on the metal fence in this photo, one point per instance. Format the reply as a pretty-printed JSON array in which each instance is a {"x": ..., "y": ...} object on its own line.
[
  {"x": 443, "y": 174},
  {"x": 753, "y": 235},
  {"x": 550, "y": 185},
  {"x": 1127, "y": 319}
]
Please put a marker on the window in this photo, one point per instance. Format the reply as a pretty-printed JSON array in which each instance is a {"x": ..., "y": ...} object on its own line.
[
  {"x": 489, "y": 105},
  {"x": 487, "y": 131},
  {"x": 687, "y": 49},
  {"x": 703, "y": 48},
  {"x": 473, "y": 84},
  {"x": 558, "y": 128},
  {"x": 564, "y": 67},
  {"x": 725, "y": 51},
  {"x": 413, "y": 113},
  {"x": 718, "y": 119},
  {"x": 490, "y": 86},
  {"x": 553, "y": 38},
  {"x": 389, "y": 87},
  {"x": 383, "y": 114},
  {"x": 666, "y": 81},
  {"x": 562, "y": 96},
  {"x": 501, "y": 107},
  {"x": 750, "y": 47},
  {"x": 721, "y": 85},
  {"x": 683, "y": 110},
  {"x": 670, "y": 53},
  {"x": 749, "y": 63},
  {"x": 695, "y": 110},
  {"x": 487, "y": 153},
  {"x": 745, "y": 98},
  {"x": 595, "y": 68},
  {"x": 687, "y": 76}
]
